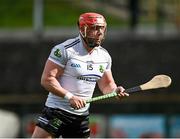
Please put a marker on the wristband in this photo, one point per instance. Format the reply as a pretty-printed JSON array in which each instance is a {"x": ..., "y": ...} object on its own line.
[{"x": 68, "y": 95}]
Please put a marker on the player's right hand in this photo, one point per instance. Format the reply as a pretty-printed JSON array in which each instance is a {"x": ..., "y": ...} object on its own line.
[
  {"x": 121, "y": 92},
  {"x": 77, "y": 102}
]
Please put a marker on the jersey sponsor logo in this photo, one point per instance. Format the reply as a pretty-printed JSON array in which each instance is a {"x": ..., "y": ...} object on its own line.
[
  {"x": 58, "y": 53},
  {"x": 101, "y": 68},
  {"x": 89, "y": 77},
  {"x": 75, "y": 65}
]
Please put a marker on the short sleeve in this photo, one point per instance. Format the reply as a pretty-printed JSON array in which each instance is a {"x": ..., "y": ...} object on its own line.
[
  {"x": 109, "y": 64},
  {"x": 58, "y": 55}
]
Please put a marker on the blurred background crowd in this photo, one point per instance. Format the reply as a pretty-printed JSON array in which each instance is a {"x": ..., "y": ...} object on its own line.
[{"x": 142, "y": 38}]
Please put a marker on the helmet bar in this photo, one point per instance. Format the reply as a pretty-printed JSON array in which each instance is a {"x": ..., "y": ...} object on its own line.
[{"x": 86, "y": 22}]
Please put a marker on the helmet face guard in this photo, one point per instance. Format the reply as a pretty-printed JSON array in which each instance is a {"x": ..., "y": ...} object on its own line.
[{"x": 92, "y": 28}]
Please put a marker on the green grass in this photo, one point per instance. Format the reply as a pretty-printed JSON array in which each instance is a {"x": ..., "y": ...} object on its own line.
[
  {"x": 19, "y": 13},
  {"x": 64, "y": 13},
  {"x": 15, "y": 13},
  {"x": 57, "y": 13}
]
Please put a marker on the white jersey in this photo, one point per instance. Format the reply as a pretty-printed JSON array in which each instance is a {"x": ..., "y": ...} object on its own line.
[{"x": 81, "y": 72}]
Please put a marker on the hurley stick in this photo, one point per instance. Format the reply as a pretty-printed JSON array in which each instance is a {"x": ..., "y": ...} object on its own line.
[{"x": 158, "y": 81}]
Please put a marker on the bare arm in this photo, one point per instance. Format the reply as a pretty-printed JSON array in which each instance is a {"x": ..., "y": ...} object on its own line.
[
  {"x": 49, "y": 81},
  {"x": 107, "y": 84}
]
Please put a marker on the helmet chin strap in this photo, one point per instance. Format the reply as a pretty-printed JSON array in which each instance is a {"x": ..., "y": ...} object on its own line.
[{"x": 89, "y": 41}]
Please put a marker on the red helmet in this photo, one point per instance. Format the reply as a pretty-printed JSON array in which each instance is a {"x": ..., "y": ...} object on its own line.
[{"x": 89, "y": 20}]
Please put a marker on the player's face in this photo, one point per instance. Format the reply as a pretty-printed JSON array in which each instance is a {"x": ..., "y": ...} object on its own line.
[{"x": 96, "y": 33}]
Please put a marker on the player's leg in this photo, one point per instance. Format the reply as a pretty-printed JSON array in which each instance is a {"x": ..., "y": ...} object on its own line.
[
  {"x": 55, "y": 123},
  {"x": 48, "y": 124},
  {"x": 40, "y": 133}
]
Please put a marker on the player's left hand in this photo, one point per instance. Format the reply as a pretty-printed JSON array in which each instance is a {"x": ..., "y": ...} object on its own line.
[{"x": 121, "y": 92}]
